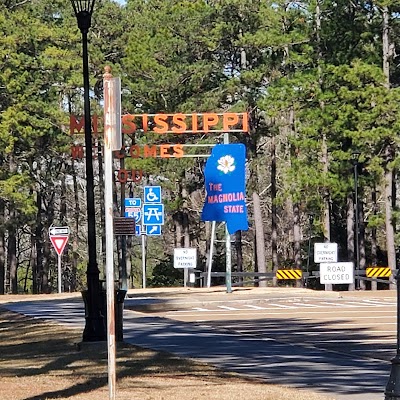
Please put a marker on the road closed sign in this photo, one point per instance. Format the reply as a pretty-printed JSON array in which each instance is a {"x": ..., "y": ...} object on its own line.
[
  {"x": 340, "y": 272},
  {"x": 185, "y": 258},
  {"x": 325, "y": 252}
]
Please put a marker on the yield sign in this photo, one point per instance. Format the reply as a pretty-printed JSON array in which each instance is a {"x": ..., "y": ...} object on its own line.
[{"x": 59, "y": 243}]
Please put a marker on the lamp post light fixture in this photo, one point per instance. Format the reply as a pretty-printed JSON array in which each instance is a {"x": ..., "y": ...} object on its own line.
[
  {"x": 355, "y": 159},
  {"x": 94, "y": 326}
]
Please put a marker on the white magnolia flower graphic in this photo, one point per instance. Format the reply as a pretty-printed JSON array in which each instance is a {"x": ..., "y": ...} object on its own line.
[{"x": 226, "y": 164}]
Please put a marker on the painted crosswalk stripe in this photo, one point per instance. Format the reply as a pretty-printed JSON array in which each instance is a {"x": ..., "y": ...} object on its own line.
[
  {"x": 255, "y": 307},
  {"x": 375, "y": 350},
  {"x": 381, "y": 302},
  {"x": 281, "y": 305},
  {"x": 372, "y": 340},
  {"x": 329, "y": 303},
  {"x": 307, "y": 305},
  {"x": 362, "y": 304}
]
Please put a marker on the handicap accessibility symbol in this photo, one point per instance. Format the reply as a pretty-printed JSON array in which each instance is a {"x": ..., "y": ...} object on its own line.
[{"x": 152, "y": 194}]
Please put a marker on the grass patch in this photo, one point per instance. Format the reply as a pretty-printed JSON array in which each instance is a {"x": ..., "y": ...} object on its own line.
[{"x": 41, "y": 360}]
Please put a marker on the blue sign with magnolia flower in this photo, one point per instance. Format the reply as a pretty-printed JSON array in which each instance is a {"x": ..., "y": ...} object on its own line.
[{"x": 226, "y": 187}]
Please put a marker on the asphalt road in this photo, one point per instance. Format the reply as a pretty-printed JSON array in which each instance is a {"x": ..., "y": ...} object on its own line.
[
  {"x": 337, "y": 346},
  {"x": 359, "y": 326}
]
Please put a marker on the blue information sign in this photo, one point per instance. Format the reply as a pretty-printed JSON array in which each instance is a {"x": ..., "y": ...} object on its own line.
[
  {"x": 133, "y": 209},
  {"x": 133, "y": 202},
  {"x": 153, "y": 230},
  {"x": 153, "y": 214},
  {"x": 152, "y": 194}
]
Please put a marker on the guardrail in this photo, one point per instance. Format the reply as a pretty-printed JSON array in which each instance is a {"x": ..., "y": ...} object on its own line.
[{"x": 290, "y": 275}]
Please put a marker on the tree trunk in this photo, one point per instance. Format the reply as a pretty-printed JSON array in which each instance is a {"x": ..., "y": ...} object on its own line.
[
  {"x": 178, "y": 229},
  {"x": 390, "y": 244},
  {"x": 326, "y": 219},
  {"x": 12, "y": 252},
  {"x": 185, "y": 224},
  {"x": 363, "y": 261},
  {"x": 2, "y": 249},
  {"x": 297, "y": 240},
  {"x": 65, "y": 276},
  {"x": 37, "y": 268},
  {"x": 75, "y": 230},
  {"x": 350, "y": 234},
  {"x": 12, "y": 240},
  {"x": 326, "y": 223},
  {"x": 386, "y": 46},
  {"x": 46, "y": 272},
  {"x": 274, "y": 216},
  {"x": 259, "y": 237},
  {"x": 374, "y": 242},
  {"x": 239, "y": 255},
  {"x": 45, "y": 285},
  {"x": 185, "y": 218}
]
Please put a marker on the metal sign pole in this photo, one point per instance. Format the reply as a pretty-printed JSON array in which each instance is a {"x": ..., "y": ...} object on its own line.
[
  {"x": 59, "y": 238},
  {"x": 112, "y": 141},
  {"x": 143, "y": 261},
  {"x": 213, "y": 223},
  {"x": 228, "y": 250},
  {"x": 59, "y": 273}
]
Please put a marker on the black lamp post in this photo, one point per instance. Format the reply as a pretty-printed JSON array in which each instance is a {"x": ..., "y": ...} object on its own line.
[
  {"x": 355, "y": 159},
  {"x": 94, "y": 327}
]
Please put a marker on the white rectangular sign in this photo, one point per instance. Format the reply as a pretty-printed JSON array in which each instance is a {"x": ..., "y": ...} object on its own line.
[
  {"x": 185, "y": 258},
  {"x": 58, "y": 230},
  {"x": 341, "y": 272},
  {"x": 325, "y": 252}
]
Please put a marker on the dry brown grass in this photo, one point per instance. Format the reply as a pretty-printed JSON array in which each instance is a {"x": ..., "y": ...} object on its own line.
[{"x": 40, "y": 361}]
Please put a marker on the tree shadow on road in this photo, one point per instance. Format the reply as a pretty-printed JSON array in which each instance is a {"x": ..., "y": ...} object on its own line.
[{"x": 297, "y": 352}]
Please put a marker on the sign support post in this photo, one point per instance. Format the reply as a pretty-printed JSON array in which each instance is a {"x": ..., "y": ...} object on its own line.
[
  {"x": 228, "y": 250},
  {"x": 59, "y": 273},
  {"x": 112, "y": 141},
  {"x": 153, "y": 219},
  {"x": 59, "y": 238},
  {"x": 143, "y": 260},
  {"x": 211, "y": 253}
]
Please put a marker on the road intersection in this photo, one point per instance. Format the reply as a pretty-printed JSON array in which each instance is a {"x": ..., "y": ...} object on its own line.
[{"x": 337, "y": 345}]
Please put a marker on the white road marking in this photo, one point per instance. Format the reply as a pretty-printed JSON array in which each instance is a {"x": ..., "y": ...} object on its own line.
[
  {"x": 327, "y": 314},
  {"x": 255, "y": 307},
  {"x": 329, "y": 303},
  {"x": 375, "y": 350},
  {"x": 229, "y": 308},
  {"x": 281, "y": 305},
  {"x": 363, "y": 304},
  {"x": 308, "y": 305},
  {"x": 376, "y": 340},
  {"x": 379, "y": 302},
  {"x": 348, "y": 324}
]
